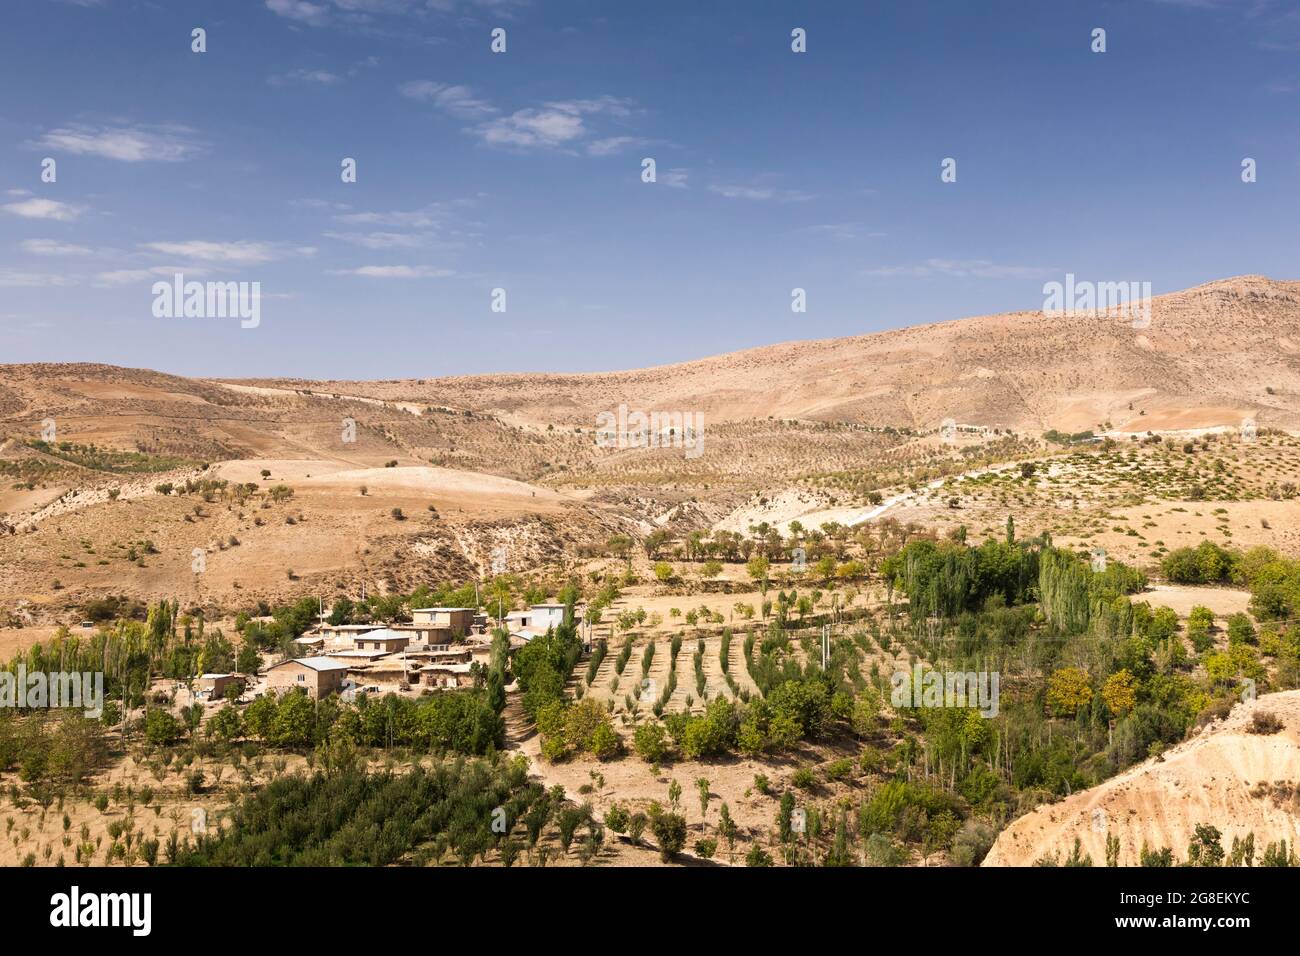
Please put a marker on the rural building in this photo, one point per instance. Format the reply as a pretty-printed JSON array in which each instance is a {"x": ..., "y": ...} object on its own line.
[
  {"x": 213, "y": 686},
  {"x": 538, "y": 619},
  {"x": 318, "y": 676},
  {"x": 447, "y": 675},
  {"x": 342, "y": 632},
  {"x": 548, "y": 615},
  {"x": 425, "y": 633},
  {"x": 458, "y": 619},
  {"x": 384, "y": 639}
]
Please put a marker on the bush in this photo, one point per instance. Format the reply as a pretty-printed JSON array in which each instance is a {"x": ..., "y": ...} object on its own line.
[
  {"x": 617, "y": 819},
  {"x": 1264, "y": 722},
  {"x": 670, "y": 833},
  {"x": 651, "y": 742},
  {"x": 757, "y": 856},
  {"x": 161, "y": 728}
]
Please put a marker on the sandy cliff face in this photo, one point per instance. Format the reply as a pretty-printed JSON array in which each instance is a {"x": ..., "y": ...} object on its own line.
[{"x": 1225, "y": 776}]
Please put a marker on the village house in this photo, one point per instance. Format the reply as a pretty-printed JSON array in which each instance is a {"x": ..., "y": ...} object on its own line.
[
  {"x": 213, "y": 686},
  {"x": 536, "y": 620},
  {"x": 318, "y": 676},
  {"x": 446, "y": 675},
  {"x": 459, "y": 620},
  {"x": 383, "y": 639},
  {"x": 343, "y": 632}
]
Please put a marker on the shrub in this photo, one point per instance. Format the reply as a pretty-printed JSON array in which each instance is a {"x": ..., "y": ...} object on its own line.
[
  {"x": 651, "y": 742},
  {"x": 1264, "y": 722},
  {"x": 670, "y": 833}
]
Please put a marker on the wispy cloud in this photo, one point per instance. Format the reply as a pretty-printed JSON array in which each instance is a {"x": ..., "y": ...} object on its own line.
[
  {"x": 127, "y": 144},
  {"x": 759, "y": 193},
  {"x": 383, "y": 240},
  {"x": 961, "y": 268},
  {"x": 613, "y": 144},
  {"x": 301, "y": 11},
  {"x": 355, "y": 13},
  {"x": 326, "y": 204},
  {"x": 305, "y": 77},
  {"x": 13, "y": 279},
  {"x": 241, "y": 252},
  {"x": 557, "y": 124},
  {"x": 124, "y": 276},
  {"x": 44, "y": 209},
  {"x": 395, "y": 272},
  {"x": 52, "y": 247},
  {"x": 456, "y": 100},
  {"x": 843, "y": 231},
  {"x": 115, "y": 277},
  {"x": 420, "y": 218},
  {"x": 676, "y": 178}
]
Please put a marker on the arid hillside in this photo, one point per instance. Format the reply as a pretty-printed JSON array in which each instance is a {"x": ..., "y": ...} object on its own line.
[
  {"x": 118, "y": 479},
  {"x": 1229, "y": 775},
  {"x": 1210, "y": 356}
]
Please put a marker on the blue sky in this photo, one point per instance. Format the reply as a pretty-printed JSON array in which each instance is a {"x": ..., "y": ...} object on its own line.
[{"x": 522, "y": 171}]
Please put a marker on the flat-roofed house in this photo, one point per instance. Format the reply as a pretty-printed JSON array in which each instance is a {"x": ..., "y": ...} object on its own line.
[
  {"x": 342, "y": 632},
  {"x": 447, "y": 675},
  {"x": 458, "y": 620},
  {"x": 383, "y": 639},
  {"x": 213, "y": 686},
  {"x": 547, "y": 615},
  {"x": 537, "y": 619},
  {"x": 318, "y": 676}
]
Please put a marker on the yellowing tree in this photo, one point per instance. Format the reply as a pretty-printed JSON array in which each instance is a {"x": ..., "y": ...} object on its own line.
[
  {"x": 1067, "y": 691},
  {"x": 1120, "y": 692}
]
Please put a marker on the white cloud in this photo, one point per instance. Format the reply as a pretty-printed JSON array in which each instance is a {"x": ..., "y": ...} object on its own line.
[
  {"x": 44, "y": 209},
  {"x": 551, "y": 125},
  {"x": 395, "y": 272},
  {"x": 320, "y": 204},
  {"x": 382, "y": 240},
  {"x": 128, "y": 144},
  {"x": 676, "y": 178},
  {"x": 841, "y": 230},
  {"x": 411, "y": 219},
  {"x": 320, "y": 13},
  {"x": 456, "y": 100},
  {"x": 52, "y": 247},
  {"x": 961, "y": 268},
  {"x": 124, "y": 276},
  {"x": 241, "y": 252},
  {"x": 313, "y": 14},
  {"x": 612, "y": 144},
  {"x": 319, "y": 77},
  {"x": 760, "y": 193},
  {"x": 11, "y": 279}
]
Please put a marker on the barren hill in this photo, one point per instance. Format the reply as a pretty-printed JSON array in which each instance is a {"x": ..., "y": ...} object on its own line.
[
  {"x": 820, "y": 430},
  {"x": 1211, "y": 355},
  {"x": 1226, "y": 776}
]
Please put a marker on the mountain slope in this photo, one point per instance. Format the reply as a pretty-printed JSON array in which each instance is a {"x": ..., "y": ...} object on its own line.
[
  {"x": 1226, "y": 776},
  {"x": 1209, "y": 357}
]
